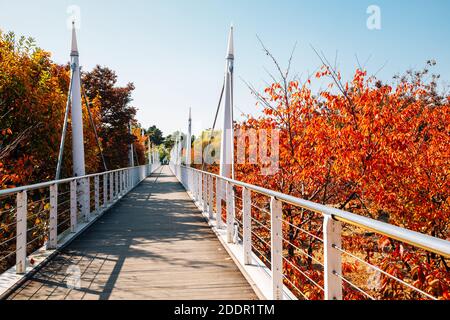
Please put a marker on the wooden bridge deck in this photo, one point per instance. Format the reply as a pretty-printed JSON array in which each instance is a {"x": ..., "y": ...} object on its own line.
[{"x": 153, "y": 244}]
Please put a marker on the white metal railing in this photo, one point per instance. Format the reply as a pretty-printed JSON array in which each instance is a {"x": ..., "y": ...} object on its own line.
[
  {"x": 204, "y": 187},
  {"x": 44, "y": 213}
]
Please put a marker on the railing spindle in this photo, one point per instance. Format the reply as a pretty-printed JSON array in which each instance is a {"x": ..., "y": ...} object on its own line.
[
  {"x": 121, "y": 183},
  {"x": 247, "y": 222},
  {"x": 332, "y": 258},
  {"x": 205, "y": 192},
  {"x": 73, "y": 206},
  {"x": 276, "y": 239},
  {"x": 111, "y": 187},
  {"x": 230, "y": 212},
  {"x": 210, "y": 196},
  {"x": 87, "y": 199},
  {"x": 97, "y": 193},
  {"x": 53, "y": 223},
  {"x": 105, "y": 189},
  {"x": 200, "y": 189},
  {"x": 116, "y": 175},
  {"x": 21, "y": 232},
  {"x": 219, "y": 202}
]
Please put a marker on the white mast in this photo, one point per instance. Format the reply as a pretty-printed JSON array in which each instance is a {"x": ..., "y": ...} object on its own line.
[
  {"x": 188, "y": 141},
  {"x": 227, "y": 143},
  {"x": 77, "y": 115}
]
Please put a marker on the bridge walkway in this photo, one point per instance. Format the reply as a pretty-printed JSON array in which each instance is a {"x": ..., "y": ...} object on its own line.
[{"x": 153, "y": 244}]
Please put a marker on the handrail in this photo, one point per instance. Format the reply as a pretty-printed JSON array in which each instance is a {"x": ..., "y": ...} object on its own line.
[
  {"x": 41, "y": 185},
  {"x": 417, "y": 239},
  {"x": 85, "y": 207}
]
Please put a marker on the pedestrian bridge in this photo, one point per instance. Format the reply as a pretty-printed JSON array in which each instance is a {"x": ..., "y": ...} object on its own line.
[
  {"x": 153, "y": 244},
  {"x": 160, "y": 232}
]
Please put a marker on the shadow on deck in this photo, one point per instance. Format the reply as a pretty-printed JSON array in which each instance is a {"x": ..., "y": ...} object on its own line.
[{"x": 153, "y": 244}]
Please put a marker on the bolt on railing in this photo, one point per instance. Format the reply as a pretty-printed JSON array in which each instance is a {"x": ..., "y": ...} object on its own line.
[{"x": 331, "y": 228}]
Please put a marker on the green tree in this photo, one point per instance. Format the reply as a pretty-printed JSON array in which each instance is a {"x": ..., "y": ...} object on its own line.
[{"x": 156, "y": 135}]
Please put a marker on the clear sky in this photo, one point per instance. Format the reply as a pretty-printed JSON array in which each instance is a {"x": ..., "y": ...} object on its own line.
[{"x": 174, "y": 50}]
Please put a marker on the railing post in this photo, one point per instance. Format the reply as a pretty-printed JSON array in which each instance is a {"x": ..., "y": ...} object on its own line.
[
  {"x": 200, "y": 188},
  {"x": 111, "y": 187},
  {"x": 124, "y": 182},
  {"x": 189, "y": 178},
  {"x": 116, "y": 175},
  {"x": 219, "y": 202},
  {"x": 127, "y": 180},
  {"x": 195, "y": 178},
  {"x": 130, "y": 177},
  {"x": 230, "y": 212},
  {"x": 121, "y": 183},
  {"x": 73, "y": 206},
  {"x": 277, "y": 248},
  {"x": 53, "y": 223},
  {"x": 210, "y": 197},
  {"x": 332, "y": 258},
  {"x": 97, "y": 193},
  {"x": 87, "y": 199},
  {"x": 105, "y": 190},
  {"x": 114, "y": 183},
  {"x": 205, "y": 192},
  {"x": 247, "y": 222},
  {"x": 194, "y": 185},
  {"x": 21, "y": 232}
]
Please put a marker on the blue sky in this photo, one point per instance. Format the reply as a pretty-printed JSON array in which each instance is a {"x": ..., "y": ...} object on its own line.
[{"x": 174, "y": 50}]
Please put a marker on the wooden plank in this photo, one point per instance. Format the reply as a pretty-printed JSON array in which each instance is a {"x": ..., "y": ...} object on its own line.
[{"x": 154, "y": 244}]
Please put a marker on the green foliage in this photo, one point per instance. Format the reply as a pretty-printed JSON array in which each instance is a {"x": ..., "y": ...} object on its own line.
[{"x": 156, "y": 135}]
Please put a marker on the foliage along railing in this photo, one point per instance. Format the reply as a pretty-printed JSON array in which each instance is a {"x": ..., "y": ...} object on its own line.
[
  {"x": 314, "y": 264},
  {"x": 45, "y": 213}
]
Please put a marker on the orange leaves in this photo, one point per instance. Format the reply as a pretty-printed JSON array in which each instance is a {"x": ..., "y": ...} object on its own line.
[
  {"x": 377, "y": 150},
  {"x": 293, "y": 86},
  {"x": 324, "y": 71},
  {"x": 6, "y": 132},
  {"x": 34, "y": 94}
]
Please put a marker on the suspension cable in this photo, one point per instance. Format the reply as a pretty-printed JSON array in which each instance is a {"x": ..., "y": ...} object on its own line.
[
  {"x": 215, "y": 120},
  {"x": 232, "y": 123},
  {"x": 93, "y": 124},
  {"x": 66, "y": 118}
]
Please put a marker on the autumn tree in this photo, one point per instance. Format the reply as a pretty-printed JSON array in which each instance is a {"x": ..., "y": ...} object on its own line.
[
  {"x": 33, "y": 95},
  {"x": 139, "y": 146},
  {"x": 115, "y": 111},
  {"x": 376, "y": 149}
]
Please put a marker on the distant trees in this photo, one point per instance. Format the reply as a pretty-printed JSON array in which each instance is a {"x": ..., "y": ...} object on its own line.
[
  {"x": 169, "y": 141},
  {"x": 156, "y": 135},
  {"x": 139, "y": 146}
]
